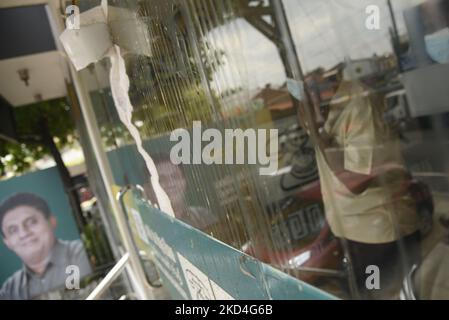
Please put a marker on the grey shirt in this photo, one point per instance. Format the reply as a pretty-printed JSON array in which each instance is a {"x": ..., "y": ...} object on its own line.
[{"x": 24, "y": 284}]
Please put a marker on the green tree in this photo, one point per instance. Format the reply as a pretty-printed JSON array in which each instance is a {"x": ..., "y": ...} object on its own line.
[{"x": 19, "y": 157}]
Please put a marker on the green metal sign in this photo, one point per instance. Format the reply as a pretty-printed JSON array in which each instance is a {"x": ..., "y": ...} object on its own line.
[{"x": 194, "y": 265}]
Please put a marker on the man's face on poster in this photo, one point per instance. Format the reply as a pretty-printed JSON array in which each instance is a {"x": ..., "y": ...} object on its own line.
[{"x": 28, "y": 233}]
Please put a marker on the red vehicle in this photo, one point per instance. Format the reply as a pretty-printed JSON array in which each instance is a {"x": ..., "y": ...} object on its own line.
[{"x": 317, "y": 253}]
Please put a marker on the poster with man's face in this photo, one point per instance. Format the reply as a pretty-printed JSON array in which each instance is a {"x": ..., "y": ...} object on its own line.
[{"x": 41, "y": 250}]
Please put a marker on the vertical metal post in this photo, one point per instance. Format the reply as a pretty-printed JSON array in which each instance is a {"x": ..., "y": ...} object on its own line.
[
  {"x": 94, "y": 135},
  {"x": 292, "y": 57},
  {"x": 137, "y": 279},
  {"x": 393, "y": 20},
  {"x": 396, "y": 40}
]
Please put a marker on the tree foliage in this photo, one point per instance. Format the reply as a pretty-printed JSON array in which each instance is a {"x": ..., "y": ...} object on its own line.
[{"x": 19, "y": 157}]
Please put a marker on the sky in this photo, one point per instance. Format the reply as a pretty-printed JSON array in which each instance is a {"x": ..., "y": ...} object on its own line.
[{"x": 323, "y": 31}]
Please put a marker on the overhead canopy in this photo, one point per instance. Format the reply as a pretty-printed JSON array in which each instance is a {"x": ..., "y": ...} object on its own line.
[{"x": 31, "y": 67}]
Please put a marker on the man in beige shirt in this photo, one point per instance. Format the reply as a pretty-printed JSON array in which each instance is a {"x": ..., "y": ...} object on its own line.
[{"x": 364, "y": 184}]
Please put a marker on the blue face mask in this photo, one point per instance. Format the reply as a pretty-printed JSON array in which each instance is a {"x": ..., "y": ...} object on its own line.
[{"x": 437, "y": 45}]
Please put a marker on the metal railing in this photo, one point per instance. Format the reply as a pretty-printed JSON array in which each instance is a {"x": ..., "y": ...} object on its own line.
[
  {"x": 110, "y": 277},
  {"x": 123, "y": 263}
]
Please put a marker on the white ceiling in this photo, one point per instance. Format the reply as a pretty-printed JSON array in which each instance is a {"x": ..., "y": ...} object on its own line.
[
  {"x": 46, "y": 78},
  {"x": 48, "y": 71}
]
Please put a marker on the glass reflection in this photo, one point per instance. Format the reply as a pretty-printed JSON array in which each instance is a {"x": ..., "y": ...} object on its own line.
[{"x": 362, "y": 179}]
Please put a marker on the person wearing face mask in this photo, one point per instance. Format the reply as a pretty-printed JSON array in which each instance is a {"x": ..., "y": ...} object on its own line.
[
  {"x": 436, "y": 22},
  {"x": 364, "y": 184},
  {"x": 28, "y": 229}
]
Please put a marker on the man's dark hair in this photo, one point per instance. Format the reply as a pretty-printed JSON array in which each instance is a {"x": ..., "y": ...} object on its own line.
[{"x": 23, "y": 199}]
